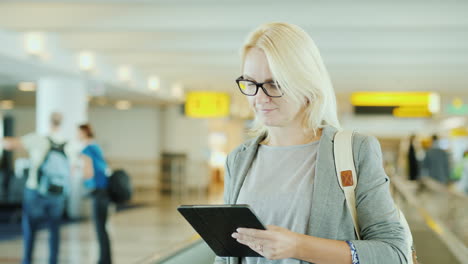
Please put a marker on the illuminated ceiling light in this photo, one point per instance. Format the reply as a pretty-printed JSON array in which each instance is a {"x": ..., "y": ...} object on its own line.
[
  {"x": 102, "y": 101},
  {"x": 177, "y": 91},
  {"x": 154, "y": 83},
  {"x": 123, "y": 105},
  {"x": 86, "y": 61},
  {"x": 27, "y": 86},
  {"x": 453, "y": 122},
  {"x": 125, "y": 73},
  {"x": 34, "y": 43},
  {"x": 434, "y": 103},
  {"x": 7, "y": 104}
]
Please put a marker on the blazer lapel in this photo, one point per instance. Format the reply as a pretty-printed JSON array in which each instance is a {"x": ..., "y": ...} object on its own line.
[
  {"x": 242, "y": 164},
  {"x": 323, "y": 182}
]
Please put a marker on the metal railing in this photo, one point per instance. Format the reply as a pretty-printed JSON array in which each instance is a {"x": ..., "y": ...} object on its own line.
[
  {"x": 194, "y": 251},
  {"x": 429, "y": 205},
  {"x": 448, "y": 204}
]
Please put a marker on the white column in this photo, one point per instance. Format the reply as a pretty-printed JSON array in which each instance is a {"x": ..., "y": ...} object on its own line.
[{"x": 67, "y": 96}]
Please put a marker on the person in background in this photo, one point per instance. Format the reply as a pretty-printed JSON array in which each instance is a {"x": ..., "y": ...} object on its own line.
[
  {"x": 462, "y": 171},
  {"x": 94, "y": 170},
  {"x": 413, "y": 163},
  {"x": 457, "y": 171},
  {"x": 436, "y": 162},
  {"x": 46, "y": 186}
]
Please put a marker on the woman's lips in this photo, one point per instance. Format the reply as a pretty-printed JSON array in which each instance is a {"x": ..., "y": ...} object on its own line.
[{"x": 266, "y": 111}]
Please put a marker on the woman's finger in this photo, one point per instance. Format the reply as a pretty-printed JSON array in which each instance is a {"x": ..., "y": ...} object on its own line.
[
  {"x": 265, "y": 234},
  {"x": 245, "y": 236},
  {"x": 254, "y": 245}
]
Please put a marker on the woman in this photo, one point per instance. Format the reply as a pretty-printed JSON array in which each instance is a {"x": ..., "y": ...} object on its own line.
[
  {"x": 287, "y": 172},
  {"x": 94, "y": 169}
]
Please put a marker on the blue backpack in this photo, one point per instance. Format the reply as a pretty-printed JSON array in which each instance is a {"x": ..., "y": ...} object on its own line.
[{"x": 54, "y": 172}]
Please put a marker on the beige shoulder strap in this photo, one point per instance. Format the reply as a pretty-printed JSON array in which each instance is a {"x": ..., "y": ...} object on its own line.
[{"x": 346, "y": 172}]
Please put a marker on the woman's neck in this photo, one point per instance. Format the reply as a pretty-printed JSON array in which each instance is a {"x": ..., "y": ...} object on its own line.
[{"x": 291, "y": 136}]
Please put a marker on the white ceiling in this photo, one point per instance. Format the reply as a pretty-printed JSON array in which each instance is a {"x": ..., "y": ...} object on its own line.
[{"x": 367, "y": 45}]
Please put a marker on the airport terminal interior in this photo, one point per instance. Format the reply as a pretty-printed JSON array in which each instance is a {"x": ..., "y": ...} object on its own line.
[{"x": 156, "y": 81}]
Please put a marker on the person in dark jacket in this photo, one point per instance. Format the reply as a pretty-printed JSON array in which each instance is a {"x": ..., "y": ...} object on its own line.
[
  {"x": 413, "y": 163},
  {"x": 437, "y": 162}
]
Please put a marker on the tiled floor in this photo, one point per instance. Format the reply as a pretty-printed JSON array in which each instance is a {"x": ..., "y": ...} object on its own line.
[
  {"x": 149, "y": 232},
  {"x": 137, "y": 234}
]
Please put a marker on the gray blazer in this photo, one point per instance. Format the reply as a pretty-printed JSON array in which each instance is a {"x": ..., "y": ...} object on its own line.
[{"x": 383, "y": 238}]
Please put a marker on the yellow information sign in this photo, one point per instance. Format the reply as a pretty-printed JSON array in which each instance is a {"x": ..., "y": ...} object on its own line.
[
  {"x": 408, "y": 111},
  {"x": 205, "y": 104},
  {"x": 402, "y": 104},
  {"x": 459, "y": 132},
  {"x": 394, "y": 98}
]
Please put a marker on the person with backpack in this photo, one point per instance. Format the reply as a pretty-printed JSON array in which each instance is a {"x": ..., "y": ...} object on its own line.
[
  {"x": 95, "y": 173},
  {"x": 287, "y": 172},
  {"x": 46, "y": 186}
]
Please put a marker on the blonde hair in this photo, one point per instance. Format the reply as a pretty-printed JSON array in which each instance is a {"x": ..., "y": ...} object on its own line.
[{"x": 297, "y": 66}]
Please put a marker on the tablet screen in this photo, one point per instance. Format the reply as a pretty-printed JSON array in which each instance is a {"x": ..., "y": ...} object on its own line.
[{"x": 216, "y": 223}]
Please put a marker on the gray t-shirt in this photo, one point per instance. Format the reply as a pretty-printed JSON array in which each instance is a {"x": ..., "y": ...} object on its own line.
[{"x": 278, "y": 187}]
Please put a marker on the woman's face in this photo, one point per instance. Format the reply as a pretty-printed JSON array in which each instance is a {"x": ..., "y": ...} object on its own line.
[
  {"x": 274, "y": 112},
  {"x": 81, "y": 135}
]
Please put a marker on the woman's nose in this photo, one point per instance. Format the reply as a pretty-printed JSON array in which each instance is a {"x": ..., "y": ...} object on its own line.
[{"x": 261, "y": 96}]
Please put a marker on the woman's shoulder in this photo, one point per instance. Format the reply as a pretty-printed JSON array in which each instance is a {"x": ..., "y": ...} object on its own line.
[
  {"x": 92, "y": 148},
  {"x": 368, "y": 158},
  {"x": 240, "y": 148},
  {"x": 248, "y": 144},
  {"x": 364, "y": 144},
  {"x": 245, "y": 147}
]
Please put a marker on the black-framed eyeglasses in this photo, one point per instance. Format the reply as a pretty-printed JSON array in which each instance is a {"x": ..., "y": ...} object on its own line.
[{"x": 250, "y": 88}]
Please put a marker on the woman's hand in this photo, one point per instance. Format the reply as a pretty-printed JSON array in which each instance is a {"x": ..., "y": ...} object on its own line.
[{"x": 274, "y": 243}]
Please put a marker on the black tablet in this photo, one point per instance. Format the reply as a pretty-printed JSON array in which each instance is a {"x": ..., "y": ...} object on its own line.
[{"x": 216, "y": 223}]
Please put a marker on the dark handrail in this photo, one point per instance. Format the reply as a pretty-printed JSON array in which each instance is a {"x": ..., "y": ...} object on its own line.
[
  {"x": 453, "y": 243},
  {"x": 174, "y": 249}
]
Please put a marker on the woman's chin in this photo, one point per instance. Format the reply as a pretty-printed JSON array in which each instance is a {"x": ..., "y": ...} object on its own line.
[{"x": 271, "y": 123}]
